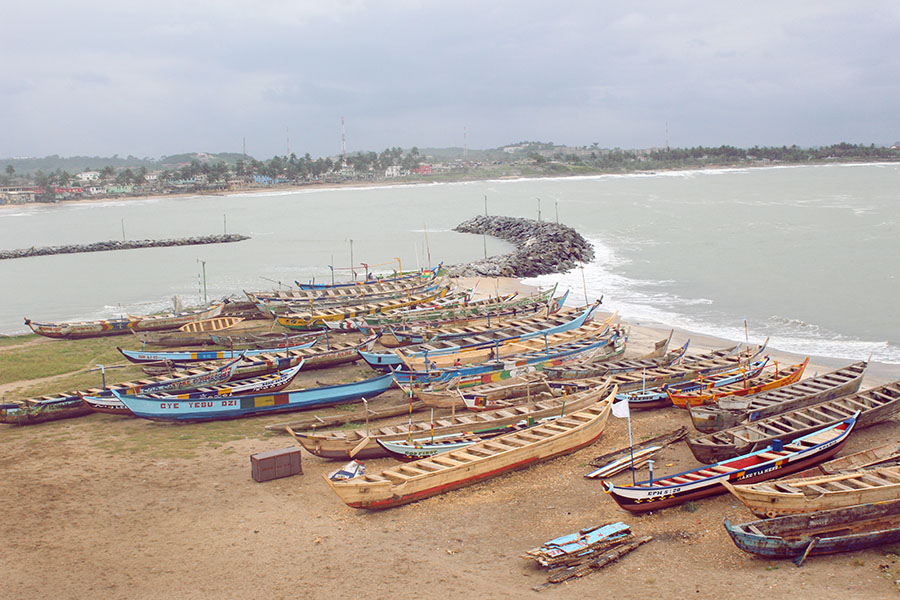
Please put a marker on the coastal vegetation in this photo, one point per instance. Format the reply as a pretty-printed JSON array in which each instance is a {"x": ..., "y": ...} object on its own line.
[{"x": 55, "y": 178}]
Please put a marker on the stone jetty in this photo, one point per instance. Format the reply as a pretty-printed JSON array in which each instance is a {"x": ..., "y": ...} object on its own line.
[
  {"x": 123, "y": 245},
  {"x": 542, "y": 248}
]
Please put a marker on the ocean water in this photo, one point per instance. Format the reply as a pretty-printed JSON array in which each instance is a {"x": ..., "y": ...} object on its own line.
[{"x": 806, "y": 255}]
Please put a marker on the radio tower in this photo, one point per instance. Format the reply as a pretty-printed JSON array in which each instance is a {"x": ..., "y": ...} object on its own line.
[{"x": 343, "y": 143}]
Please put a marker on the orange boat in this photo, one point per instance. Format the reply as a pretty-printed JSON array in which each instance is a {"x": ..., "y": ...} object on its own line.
[{"x": 769, "y": 381}]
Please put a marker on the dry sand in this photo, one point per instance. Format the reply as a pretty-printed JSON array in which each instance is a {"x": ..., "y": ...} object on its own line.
[{"x": 88, "y": 516}]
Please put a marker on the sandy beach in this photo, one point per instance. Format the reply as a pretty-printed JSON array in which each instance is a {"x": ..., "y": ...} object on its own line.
[{"x": 98, "y": 506}]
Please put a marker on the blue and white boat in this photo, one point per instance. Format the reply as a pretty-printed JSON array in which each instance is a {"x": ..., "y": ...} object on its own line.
[
  {"x": 186, "y": 356},
  {"x": 233, "y": 407}
]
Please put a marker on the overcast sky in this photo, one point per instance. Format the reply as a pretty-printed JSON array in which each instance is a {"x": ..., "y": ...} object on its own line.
[{"x": 102, "y": 77}]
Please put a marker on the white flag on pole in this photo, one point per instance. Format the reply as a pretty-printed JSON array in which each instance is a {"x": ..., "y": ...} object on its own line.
[{"x": 620, "y": 409}]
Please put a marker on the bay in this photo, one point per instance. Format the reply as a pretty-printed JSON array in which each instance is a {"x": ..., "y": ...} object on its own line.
[{"x": 806, "y": 255}]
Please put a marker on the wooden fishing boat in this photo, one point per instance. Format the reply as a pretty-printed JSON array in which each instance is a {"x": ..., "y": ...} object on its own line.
[
  {"x": 410, "y": 482},
  {"x": 743, "y": 376},
  {"x": 776, "y": 379},
  {"x": 259, "y": 338},
  {"x": 774, "y": 461},
  {"x": 480, "y": 348},
  {"x": 414, "y": 449},
  {"x": 362, "y": 413},
  {"x": 822, "y": 532},
  {"x": 189, "y": 356},
  {"x": 883, "y": 455},
  {"x": 271, "y": 382},
  {"x": 661, "y": 348},
  {"x": 373, "y": 289},
  {"x": 82, "y": 329},
  {"x": 298, "y": 301},
  {"x": 493, "y": 309},
  {"x": 234, "y": 407},
  {"x": 176, "y": 319},
  {"x": 66, "y": 405},
  {"x": 362, "y": 443},
  {"x": 510, "y": 366},
  {"x": 435, "y": 338},
  {"x": 809, "y": 494},
  {"x": 316, "y": 319},
  {"x": 874, "y": 405},
  {"x": 475, "y": 353},
  {"x": 729, "y": 412},
  {"x": 373, "y": 279},
  {"x": 614, "y": 462},
  {"x": 195, "y": 333}
]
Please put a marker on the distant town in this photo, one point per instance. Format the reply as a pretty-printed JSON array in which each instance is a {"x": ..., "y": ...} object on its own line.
[{"x": 54, "y": 179}]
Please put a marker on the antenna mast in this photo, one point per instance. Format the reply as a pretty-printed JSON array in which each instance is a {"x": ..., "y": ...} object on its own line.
[{"x": 343, "y": 142}]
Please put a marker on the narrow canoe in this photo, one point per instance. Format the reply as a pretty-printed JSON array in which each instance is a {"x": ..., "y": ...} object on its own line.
[
  {"x": 187, "y": 356},
  {"x": 822, "y": 532},
  {"x": 362, "y": 443},
  {"x": 874, "y": 405},
  {"x": 196, "y": 333},
  {"x": 776, "y": 379},
  {"x": 774, "y": 461},
  {"x": 410, "y": 482},
  {"x": 375, "y": 279},
  {"x": 729, "y": 412},
  {"x": 234, "y": 407},
  {"x": 176, "y": 319},
  {"x": 809, "y": 494}
]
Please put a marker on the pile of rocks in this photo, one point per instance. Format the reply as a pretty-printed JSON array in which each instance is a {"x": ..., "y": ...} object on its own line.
[
  {"x": 125, "y": 245},
  {"x": 541, "y": 248}
]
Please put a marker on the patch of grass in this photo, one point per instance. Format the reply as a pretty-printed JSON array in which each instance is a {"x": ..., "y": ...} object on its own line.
[
  {"x": 690, "y": 507},
  {"x": 46, "y": 357}
]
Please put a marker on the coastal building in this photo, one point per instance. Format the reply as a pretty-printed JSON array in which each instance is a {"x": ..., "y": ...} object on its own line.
[
  {"x": 87, "y": 176},
  {"x": 393, "y": 171}
]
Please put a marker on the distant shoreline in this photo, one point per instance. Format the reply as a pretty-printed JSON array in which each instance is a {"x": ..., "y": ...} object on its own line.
[{"x": 406, "y": 183}]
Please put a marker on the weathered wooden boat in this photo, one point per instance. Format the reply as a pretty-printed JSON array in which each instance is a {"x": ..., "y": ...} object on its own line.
[
  {"x": 883, "y": 455},
  {"x": 509, "y": 366},
  {"x": 495, "y": 308},
  {"x": 373, "y": 279},
  {"x": 362, "y": 443},
  {"x": 189, "y": 356},
  {"x": 777, "y": 378},
  {"x": 195, "y": 333},
  {"x": 500, "y": 394},
  {"x": 371, "y": 289},
  {"x": 271, "y": 382},
  {"x": 660, "y": 348},
  {"x": 410, "y": 482},
  {"x": 66, "y": 405},
  {"x": 808, "y": 494},
  {"x": 608, "y": 464},
  {"x": 233, "y": 407},
  {"x": 729, "y": 412},
  {"x": 480, "y": 332},
  {"x": 874, "y": 405},
  {"x": 82, "y": 329},
  {"x": 259, "y": 338},
  {"x": 477, "y": 353},
  {"x": 298, "y": 301},
  {"x": 774, "y": 461},
  {"x": 174, "y": 320},
  {"x": 362, "y": 413},
  {"x": 823, "y": 532},
  {"x": 416, "y": 448},
  {"x": 480, "y": 348},
  {"x": 742, "y": 375},
  {"x": 316, "y": 319}
]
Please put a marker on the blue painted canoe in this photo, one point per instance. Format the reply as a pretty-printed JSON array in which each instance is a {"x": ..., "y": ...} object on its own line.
[
  {"x": 823, "y": 532},
  {"x": 234, "y": 407},
  {"x": 186, "y": 356}
]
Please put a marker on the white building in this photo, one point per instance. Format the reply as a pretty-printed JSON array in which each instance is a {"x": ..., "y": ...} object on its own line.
[{"x": 88, "y": 176}]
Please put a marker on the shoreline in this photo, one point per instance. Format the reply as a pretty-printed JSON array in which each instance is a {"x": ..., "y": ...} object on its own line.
[
  {"x": 645, "y": 333},
  {"x": 302, "y": 187}
]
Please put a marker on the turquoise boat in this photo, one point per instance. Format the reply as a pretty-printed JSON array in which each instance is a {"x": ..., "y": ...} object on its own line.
[
  {"x": 234, "y": 407},
  {"x": 185, "y": 356}
]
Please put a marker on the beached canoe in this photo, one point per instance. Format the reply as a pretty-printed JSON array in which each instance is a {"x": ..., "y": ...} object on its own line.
[
  {"x": 196, "y": 333},
  {"x": 729, "y": 412},
  {"x": 234, "y": 407},
  {"x": 372, "y": 279},
  {"x": 777, "y": 378},
  {"x": 362, "y": 443},
  {"x": 873, "y": 405},
  {"x": 188, "y": 356},
  {"x": 67, "y": 405},
  {"x": 316, "y": 319},
  {"x": 773, "y": 461},
  {"x": 808, "y": 494},
  {"x": 105, "y": 327},
  {"x": 822, "y": 532},
  {"x": 743, "y": 375},
  {"x": 410, "y": 482},
  {"x": 877, "y": 456},
  {"x": 176, "y": 319},
  {"x": 271, "y": 382}
]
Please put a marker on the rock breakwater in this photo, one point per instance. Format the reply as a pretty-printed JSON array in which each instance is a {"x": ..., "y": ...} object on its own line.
[
  {"x": 124, "y": 245},
  {"x": 541, "y": 248}
]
